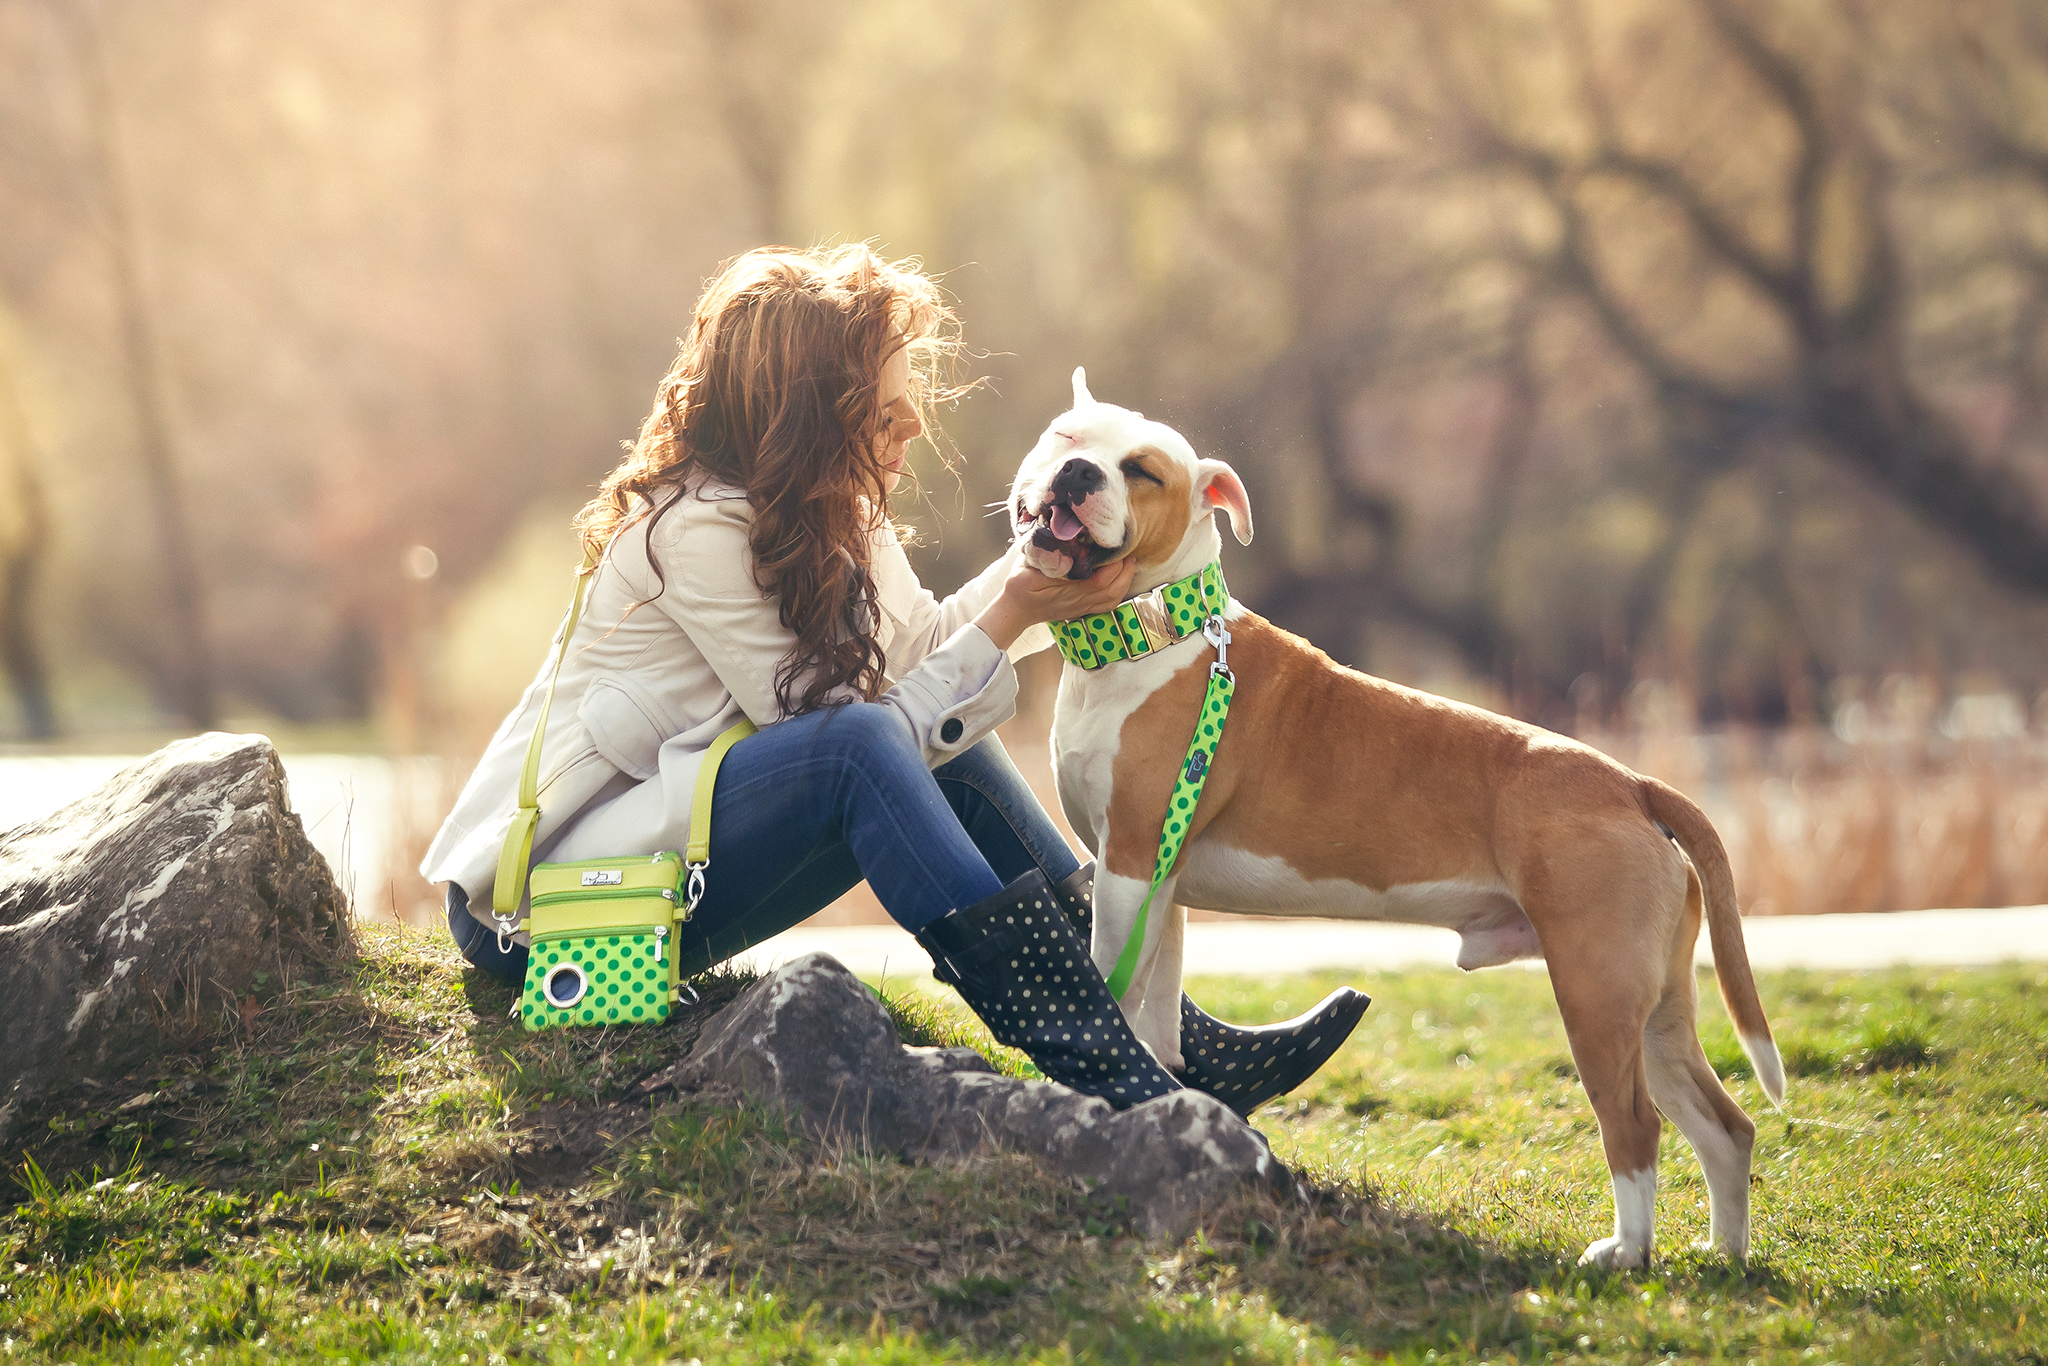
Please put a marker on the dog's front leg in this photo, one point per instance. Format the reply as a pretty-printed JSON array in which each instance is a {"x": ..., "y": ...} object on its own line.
[
  {"x": 1157, "y": 1015},
  {"x": 1152, "y": 1000}
]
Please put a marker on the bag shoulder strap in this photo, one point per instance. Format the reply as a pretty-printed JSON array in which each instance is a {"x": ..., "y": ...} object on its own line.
[
  {"x": 518, "y": 850},
  {"x": 697, "y": 854}
]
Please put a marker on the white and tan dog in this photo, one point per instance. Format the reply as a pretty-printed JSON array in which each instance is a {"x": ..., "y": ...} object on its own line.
[{"x": 1336, "y": 794}]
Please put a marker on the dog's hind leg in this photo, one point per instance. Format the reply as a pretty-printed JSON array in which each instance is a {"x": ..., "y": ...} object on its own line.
[
  {"x": 1685, "y": 1088},
  {"x": 1611, "y": 1069},
  {"x": 1722, "y": 1136},
  {"x": 1607, "y": 979}
]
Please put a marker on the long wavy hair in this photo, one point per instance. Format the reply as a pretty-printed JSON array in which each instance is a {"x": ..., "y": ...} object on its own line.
[{"x": 776, "y": 390}]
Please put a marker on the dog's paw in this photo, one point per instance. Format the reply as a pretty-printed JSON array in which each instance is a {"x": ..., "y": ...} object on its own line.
[
  {"x": 1173, "y": 1062},
  {"x": 1614, "y": 1254},
  {"x": 1707, "y": 1247}
]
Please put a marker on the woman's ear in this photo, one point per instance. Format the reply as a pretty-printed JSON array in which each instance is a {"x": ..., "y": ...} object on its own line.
[{"x": 1221, "y": 488}]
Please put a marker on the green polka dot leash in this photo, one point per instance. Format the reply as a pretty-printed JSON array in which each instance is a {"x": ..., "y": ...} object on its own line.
[{"x": 1192, "y": 604}]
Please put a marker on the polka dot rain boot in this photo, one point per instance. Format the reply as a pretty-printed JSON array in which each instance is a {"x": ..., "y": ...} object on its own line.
[
  {"x": 1243, "y": 1066},
  {"x": 1016, "y": 961}
]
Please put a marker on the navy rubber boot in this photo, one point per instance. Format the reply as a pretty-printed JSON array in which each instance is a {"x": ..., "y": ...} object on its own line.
[
  {"x": 1014, "y": 958},
  {"x": 1244, "y": 1066}
]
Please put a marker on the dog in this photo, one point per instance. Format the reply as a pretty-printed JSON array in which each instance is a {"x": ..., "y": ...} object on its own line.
[{"x": 1335, "y": 794}]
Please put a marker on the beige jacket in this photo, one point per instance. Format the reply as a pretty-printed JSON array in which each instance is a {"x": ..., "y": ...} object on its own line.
[{"x": 643, "y": 693}]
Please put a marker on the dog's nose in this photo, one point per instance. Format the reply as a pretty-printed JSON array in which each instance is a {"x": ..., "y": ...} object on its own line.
[{"x": 1077, "y": 478}]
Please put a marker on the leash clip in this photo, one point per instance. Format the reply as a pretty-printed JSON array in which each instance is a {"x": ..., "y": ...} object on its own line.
[
  {"x": 507, "y": 927},
  {"x": 1218, "y": 635}
]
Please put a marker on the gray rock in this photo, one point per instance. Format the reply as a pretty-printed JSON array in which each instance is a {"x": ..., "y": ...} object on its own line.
[
  {"x": 811, "y": 1041},
  {"x": 150, "y": 901}
]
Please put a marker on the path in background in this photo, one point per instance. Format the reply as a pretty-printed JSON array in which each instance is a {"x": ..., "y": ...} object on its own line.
[{"x": 1246, "y": 946}]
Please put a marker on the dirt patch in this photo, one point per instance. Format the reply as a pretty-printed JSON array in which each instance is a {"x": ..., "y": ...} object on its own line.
[{"x": 563, "y": 1144}]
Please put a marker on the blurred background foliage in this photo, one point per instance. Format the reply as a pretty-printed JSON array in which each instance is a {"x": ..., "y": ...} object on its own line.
[{"x": 1647, "y": 358}]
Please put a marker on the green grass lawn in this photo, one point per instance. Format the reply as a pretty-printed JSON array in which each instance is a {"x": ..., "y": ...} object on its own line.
[{"x": 383, "y": 1165}]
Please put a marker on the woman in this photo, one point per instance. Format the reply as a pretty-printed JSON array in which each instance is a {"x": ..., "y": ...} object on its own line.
[{"x": 746, "y": 566}]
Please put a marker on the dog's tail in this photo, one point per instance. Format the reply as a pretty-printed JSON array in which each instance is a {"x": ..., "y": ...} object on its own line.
[{"x": 1695, "y": 834}]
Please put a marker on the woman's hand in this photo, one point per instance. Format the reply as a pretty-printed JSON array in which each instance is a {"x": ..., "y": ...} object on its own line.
[{"x": 1029, "y": 597}]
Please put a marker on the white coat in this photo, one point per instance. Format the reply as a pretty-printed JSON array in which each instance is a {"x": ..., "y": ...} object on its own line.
[{"x": 644, "y": 692}]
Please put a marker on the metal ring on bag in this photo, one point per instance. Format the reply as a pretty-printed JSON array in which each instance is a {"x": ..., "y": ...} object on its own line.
[{"x": 561, "y": 994}]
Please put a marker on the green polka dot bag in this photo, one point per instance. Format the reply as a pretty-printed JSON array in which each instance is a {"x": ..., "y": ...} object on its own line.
[{"x": 602, "y": 951}]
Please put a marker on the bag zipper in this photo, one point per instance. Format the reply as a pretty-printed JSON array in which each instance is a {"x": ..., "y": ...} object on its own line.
[
  {"x": 636, "y": 861},
  {"x": 603, "y": 894},
  {"x": 660, "y": 933}
]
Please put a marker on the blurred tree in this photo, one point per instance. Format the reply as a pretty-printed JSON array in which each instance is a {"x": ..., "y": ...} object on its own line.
[
  {"x": 1837, "y": 288},
  {"x": 24, "y": 551},
  {"x": 186, "y": 661},
  {"x": 762, "y": 71},
  {"x": 1679, "y": 254}
]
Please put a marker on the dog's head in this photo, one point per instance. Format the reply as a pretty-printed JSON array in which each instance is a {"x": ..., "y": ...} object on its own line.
[{"x": 1104, "y": 484}]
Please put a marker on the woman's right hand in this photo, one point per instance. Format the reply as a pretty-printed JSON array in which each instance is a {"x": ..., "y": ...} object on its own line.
[{"x": 1029, "y": 597}]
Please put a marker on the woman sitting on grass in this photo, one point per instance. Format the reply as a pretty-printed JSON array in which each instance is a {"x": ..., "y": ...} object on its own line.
[{"x": 747, "y": 566}]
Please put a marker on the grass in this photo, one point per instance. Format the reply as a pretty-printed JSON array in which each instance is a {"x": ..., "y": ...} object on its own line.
[{"x": 384, "y": 1166}]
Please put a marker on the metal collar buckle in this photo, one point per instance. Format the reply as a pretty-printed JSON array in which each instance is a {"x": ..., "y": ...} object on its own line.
[{"x": 1154, "y": 622}]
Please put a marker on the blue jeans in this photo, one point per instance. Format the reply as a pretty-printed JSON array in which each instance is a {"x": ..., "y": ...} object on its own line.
[{"x": 806, "y": 808}]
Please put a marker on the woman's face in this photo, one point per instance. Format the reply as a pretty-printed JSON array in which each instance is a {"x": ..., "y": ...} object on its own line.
[{"x": 901, "y": 422}]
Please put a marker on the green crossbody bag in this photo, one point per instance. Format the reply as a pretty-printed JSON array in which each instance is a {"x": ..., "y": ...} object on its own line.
[{"x": 603, "y": 950}]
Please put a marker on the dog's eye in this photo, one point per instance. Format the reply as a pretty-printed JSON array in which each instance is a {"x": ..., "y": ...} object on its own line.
[{"x": 1135, "y": 469}]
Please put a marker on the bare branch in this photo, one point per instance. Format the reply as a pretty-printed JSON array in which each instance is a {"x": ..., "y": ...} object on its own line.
[{"x": 1790, "y": 85}]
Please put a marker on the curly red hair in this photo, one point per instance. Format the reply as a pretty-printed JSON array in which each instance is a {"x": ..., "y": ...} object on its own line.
[{"x": 776, "y": 390}]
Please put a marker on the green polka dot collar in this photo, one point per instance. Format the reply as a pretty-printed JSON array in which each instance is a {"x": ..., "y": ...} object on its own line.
[{"x": 1150, "y": 621}]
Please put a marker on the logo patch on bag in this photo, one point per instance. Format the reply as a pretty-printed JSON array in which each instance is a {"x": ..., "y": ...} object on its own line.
[{"x": 605, "y": 877}]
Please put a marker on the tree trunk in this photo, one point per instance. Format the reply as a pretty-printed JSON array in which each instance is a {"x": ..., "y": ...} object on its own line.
[
  {"x": 186, "y": 662},
  {"x": 21, "y": 656}
]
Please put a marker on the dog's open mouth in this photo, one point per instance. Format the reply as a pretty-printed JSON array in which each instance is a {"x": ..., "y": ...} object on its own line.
[{"x": 1058, "y": 530}]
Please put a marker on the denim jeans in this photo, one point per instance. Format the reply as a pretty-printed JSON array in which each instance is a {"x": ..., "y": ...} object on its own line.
[{"x": 806, "y": 808}]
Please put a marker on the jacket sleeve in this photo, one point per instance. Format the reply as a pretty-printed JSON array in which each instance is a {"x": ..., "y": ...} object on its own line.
[
  {"x": 924, "y": 621},
  {"x": 958, "y": 691}
]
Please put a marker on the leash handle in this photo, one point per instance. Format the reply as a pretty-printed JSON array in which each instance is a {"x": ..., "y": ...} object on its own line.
[{"x": 1187, "y": 794}]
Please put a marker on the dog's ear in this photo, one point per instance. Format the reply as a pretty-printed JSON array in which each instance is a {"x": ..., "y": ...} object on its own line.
[
  {"x": 1081, "y": 394},
  {"x": 1221, "y": 488}
]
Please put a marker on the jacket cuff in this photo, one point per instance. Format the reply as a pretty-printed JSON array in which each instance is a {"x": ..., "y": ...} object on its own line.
[
  {"x": 958, "y": 694},
  {"x": 1030, "y": 641}
]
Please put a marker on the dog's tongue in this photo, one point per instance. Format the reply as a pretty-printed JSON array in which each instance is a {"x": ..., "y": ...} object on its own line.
[{"x": 1065, "y": 524}]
